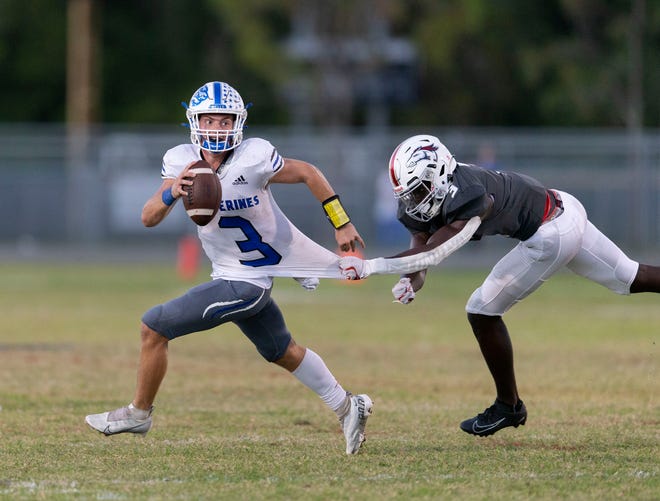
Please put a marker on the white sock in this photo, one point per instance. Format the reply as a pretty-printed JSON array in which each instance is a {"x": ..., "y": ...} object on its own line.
[
  {"x": 313, "y": 373},
  {"x": 138, "y": 413}
]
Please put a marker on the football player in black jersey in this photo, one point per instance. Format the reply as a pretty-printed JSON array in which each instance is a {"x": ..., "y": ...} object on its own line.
[{"x": 445, "y": 204}]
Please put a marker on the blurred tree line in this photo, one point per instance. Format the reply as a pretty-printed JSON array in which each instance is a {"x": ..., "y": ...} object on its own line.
[{"x": 360, "y": 62}]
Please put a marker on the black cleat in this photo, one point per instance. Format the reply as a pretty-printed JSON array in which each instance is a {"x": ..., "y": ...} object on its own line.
[{"x": 497, "y": 416}]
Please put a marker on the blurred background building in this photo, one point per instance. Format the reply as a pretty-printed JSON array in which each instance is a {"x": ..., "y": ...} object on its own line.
[{"x": 563, "y": 91}]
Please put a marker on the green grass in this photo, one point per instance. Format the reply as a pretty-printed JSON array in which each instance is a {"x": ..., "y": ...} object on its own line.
[{"x": 230, "y": 426}]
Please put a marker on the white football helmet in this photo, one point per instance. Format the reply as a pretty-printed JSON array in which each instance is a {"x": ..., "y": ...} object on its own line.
[
  {"x": 421, "y": 168},
  {"x": 216, "y": 97}
]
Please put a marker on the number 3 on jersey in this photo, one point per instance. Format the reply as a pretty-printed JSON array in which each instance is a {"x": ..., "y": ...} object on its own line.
[{"x": 252, "y": 243}]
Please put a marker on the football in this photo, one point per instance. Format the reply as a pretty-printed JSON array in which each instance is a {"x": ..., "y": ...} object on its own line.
[{"x": 203, "y": 197}]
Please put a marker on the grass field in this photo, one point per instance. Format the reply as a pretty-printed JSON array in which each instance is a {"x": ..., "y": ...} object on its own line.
[{"x": 230, "y": 426}]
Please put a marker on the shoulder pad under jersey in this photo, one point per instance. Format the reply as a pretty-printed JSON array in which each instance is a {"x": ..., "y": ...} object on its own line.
[
  {"x": 255, "y": 151},
  {"x": 176, "y": 159}
]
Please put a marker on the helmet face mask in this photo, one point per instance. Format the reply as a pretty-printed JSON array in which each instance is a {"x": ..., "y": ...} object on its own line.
[
  {"x": 211, "y": 138},
  {"x": 421, "y": 202},
  {"x": 216, "y": 98},
  {"x": 420, "y": 173}
]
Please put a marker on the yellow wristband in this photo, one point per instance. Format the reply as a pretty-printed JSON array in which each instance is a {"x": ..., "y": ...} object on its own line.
[{"x": 335, "y": 212}]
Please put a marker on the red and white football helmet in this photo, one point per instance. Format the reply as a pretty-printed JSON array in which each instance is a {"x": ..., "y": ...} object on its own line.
[
  {"x": 421, "y": 168},
  {"x": 216, "y": 97}
]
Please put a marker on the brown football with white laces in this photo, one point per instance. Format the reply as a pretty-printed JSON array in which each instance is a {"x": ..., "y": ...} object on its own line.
[{"x": 203, "y": 197}]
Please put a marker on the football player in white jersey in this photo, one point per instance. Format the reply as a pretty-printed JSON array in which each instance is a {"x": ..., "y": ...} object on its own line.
[
  {"x": 249, "y": 241},
  {"x": 444, "y": 204}
]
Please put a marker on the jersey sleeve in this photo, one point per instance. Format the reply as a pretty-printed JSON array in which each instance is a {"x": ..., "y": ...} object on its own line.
[
  {"x": 473, "y": 202},
  {"x": 176, "y": 159},
  {"x": 262, "y": 155},
  {"x": 276, "y": 160},
  {"x": 467, "y": 198}
]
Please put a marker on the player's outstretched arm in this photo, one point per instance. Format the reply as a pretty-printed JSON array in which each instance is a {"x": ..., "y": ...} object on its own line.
[
  {"x": 420, "y": 258},
  {"x": 298, "y": 171}
]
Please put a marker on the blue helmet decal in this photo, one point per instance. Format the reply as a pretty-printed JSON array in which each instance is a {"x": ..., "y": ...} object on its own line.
[{"x": 200, "y": 96}]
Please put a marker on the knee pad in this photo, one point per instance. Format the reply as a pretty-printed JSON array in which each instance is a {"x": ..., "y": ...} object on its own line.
[
  {"x": 267, "y": 331},
  {"x": 476, "y": 305},
  {"x": 625, "y": 272},
  {"x": 152, "y": 316},
  {"x": 273, "y": 349}
]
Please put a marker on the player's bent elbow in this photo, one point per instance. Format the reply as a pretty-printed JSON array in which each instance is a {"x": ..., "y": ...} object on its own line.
[
  {"x": 152, "y": 214},
  {"x": 149, "y": 220}
]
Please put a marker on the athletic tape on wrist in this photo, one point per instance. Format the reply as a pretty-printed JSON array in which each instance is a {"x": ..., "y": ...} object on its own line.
[
  {"x": 335, "y": 212},
  {"x": 167, "y": 197}
]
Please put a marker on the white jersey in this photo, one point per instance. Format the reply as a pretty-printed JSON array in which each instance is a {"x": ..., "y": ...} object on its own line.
[{"x": 250, "y": 239}]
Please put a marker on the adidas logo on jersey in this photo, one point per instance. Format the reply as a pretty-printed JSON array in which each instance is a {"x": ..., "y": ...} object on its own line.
[{"x": 239, "y": 180}]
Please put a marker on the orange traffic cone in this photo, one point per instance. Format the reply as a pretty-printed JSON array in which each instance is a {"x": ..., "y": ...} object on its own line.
[{"x": 187, "y": 264}]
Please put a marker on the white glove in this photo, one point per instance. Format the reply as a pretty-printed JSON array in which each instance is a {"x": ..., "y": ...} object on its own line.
[
  {"x": 353, "y": 268},
  {"x": 309, "y": 284},
  {"x": 403, "y": 292}
]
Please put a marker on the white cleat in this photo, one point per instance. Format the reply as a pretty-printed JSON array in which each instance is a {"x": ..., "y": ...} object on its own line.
[
  {"x": 354, "y": 422},
  {"x": 120, "y": 420}
]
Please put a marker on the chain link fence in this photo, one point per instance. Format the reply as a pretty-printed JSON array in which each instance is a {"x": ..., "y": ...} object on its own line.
[{"x": 88, "y": 187}]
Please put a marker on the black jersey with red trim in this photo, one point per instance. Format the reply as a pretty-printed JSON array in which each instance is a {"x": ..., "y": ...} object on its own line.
[{"x": 519, "y": 203}]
